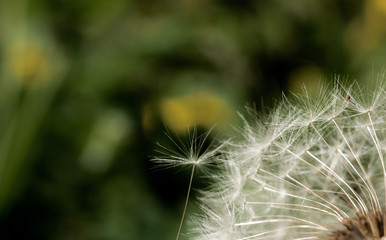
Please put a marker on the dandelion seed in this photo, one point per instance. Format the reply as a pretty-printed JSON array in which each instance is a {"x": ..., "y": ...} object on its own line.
[
  {"x": 312, "y": 169},
  {"x": 191, "y": 154}
]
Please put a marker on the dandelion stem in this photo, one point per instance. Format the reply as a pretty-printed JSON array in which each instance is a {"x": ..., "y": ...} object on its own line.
[{"x": 186, "y": 201}]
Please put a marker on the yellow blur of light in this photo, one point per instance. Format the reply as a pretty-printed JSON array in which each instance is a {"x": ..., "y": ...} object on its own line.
[
  {"x": 365, "y": 33},
  {"x": 201, "y": 109},
  {"x": 29, "y": 63},
  {"x": 381, "y": 5},
  {"x": 307, "y": 77}
]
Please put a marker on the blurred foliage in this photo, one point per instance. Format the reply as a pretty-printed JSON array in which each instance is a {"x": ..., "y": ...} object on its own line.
[{"x": 87, "y": 87}]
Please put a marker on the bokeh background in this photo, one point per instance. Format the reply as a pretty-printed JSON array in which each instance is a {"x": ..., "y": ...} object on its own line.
[{"x": 88, "y": 87}]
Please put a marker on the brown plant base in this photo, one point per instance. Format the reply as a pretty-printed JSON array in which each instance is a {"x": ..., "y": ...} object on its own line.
[{"x": 364, "y": 227}]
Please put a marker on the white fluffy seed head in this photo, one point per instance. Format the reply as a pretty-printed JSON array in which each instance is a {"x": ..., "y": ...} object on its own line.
[{"x": 312, "y": 169}]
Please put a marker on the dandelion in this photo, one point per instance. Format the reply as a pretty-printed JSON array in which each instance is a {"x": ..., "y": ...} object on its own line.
[{"x": 312, "y": 169}]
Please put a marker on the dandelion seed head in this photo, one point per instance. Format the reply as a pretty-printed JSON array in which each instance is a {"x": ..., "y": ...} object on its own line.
[{"x": 314, "y": 168}]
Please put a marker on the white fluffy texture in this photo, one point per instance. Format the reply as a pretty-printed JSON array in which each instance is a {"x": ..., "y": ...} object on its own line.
[{"x": 298, "y": 172}]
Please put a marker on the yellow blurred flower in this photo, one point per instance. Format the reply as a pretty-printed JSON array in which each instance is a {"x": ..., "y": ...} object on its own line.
[
  {"x": 29, "y": 63},
  {"x": 365, "y": 33},
  {"x": 380, "y": 5},
  {"x": 202, "y": 109}
]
